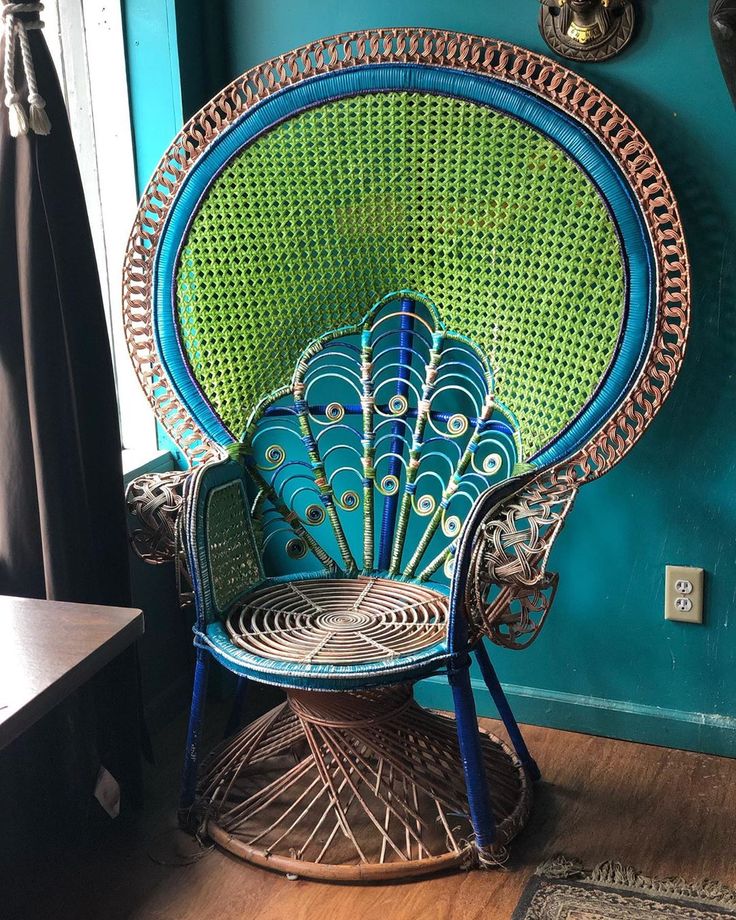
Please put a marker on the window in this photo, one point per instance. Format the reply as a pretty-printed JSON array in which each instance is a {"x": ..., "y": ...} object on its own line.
[{"x": 86, "y": 41}]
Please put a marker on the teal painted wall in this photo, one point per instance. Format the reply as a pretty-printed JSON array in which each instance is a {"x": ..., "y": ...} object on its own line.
[
  {"x": 154, "y": 80},
  {"x": 607, "y": 661}
]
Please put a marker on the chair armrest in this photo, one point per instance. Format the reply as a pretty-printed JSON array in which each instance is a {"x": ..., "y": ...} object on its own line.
[
  {"x": 501, "y": 587},
  {"x": 155, "y": 501},
  {"x": 222, "y": 553}
]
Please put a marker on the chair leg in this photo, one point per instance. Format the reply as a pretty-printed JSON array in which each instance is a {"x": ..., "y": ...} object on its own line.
[
  {"x": 236, "y": 710},
  {"x": 479, "y": 801},
  {"x": 191, "y": 756},
  {"x": 504, "y": 710}
]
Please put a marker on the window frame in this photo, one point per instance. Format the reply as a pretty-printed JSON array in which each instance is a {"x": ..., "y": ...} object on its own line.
[{"x": 87, "y": 43}]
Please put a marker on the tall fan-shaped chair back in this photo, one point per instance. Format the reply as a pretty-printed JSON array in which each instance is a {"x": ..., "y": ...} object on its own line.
[
  {"x": 525, "y": 212},
  {"x": 514, "y": 202}
]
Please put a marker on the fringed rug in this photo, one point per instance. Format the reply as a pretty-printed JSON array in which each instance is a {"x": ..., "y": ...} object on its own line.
[{"x": 562, "y": 890}]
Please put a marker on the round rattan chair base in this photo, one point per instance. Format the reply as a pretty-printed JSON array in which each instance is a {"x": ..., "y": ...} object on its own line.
[{"x": 355, "y": 787}]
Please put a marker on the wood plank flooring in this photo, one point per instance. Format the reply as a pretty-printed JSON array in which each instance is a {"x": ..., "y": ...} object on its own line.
[{"x": 666, "y": 812}]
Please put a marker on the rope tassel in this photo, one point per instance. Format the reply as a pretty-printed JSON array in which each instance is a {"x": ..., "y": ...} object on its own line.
[
  {"x": 37, "y": 117},
  {"x": 17, "y": 117},
  {"x": 16, "y": 34}
]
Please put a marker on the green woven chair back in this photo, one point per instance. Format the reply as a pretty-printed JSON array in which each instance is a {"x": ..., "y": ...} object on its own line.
[
  {"x": 402, "y": 192},
  {"x": 309, "y": 225}
]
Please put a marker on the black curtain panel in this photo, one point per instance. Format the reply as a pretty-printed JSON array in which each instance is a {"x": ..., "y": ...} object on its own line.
[
  {"x": 62, "y": 524},
  {"x": 722, "y": 16}
]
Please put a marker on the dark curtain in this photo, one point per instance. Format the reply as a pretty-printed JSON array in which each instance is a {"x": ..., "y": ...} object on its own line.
[
  {"x": 722, "y": 15},
  {"x": 62, "y": 524}
]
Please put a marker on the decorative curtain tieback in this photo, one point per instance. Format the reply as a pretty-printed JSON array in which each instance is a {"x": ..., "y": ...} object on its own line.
[{"x": 16, "y": 31}]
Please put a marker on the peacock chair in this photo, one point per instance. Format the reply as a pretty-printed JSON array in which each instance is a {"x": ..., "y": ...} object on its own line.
[{"x": 396, "y": 296}]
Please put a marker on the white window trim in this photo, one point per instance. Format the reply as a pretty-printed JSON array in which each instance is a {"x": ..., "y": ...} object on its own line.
[{"x": 86, "y": 41}]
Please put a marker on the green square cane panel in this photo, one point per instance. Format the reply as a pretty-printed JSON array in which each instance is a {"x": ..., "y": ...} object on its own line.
[
  {"x": 308, "y": 226},
  {"x": 233, "y": 560}
]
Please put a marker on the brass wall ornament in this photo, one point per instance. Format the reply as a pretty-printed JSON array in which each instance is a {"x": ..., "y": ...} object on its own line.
[{"x": 587, "y": 30}]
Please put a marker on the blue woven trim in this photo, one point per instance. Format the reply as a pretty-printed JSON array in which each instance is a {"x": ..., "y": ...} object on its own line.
[
  {"x": 391, "y": 503},
  {"x": 320, "y": 676},
  {"x": 436, "y": 586},
  {"x": 577, "y": 142}
]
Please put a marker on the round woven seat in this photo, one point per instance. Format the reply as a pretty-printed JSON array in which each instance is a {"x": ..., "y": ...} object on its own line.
[{"x": 339, "y": 620}]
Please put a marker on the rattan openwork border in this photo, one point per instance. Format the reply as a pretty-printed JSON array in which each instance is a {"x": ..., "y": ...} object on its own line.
[{"x": 503, "y": 61}]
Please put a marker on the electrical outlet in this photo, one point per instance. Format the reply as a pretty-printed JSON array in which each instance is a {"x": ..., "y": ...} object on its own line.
[{"x": 683, "y": 594}]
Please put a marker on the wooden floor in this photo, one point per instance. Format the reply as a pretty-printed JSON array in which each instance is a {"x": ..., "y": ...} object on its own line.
[{"x": 665, "y": 812}]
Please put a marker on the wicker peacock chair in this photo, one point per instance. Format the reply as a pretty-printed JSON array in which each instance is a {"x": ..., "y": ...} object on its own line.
[{"x": 396, "y": 296}]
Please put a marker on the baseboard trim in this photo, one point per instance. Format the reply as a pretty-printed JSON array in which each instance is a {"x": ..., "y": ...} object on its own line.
[{"x": 710, "y": 733}]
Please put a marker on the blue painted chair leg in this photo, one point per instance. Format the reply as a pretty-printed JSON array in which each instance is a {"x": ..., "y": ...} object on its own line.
[
  {"x": 504, "y": 710},
  {"x": 479, "y": 800},
  {"x": 191, "y": 757},
  {"x": 236, "y": 711}
]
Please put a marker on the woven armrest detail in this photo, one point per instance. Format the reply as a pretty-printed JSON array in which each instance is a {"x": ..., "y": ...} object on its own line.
[{"x": 509, "y": 590}]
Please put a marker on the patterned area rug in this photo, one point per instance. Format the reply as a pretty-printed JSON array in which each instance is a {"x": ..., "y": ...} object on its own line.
[{"x": 562, "y": 890}]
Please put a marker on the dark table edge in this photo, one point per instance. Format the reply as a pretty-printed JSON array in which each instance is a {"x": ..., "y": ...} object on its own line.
[{"x": 43, "y": 702}]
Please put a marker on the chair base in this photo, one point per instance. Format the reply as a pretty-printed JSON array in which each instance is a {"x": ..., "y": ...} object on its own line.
[{"x": 355, "y": 786}]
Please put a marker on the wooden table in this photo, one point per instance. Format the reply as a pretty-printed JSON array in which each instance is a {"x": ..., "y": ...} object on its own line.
[{"x": 48, "y": 649}]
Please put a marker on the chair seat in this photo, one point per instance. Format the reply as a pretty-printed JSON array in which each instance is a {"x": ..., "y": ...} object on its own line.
[{"x": 328, "y": 630}]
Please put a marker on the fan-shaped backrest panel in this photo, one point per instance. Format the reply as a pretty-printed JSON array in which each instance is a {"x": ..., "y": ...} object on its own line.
[
  {"x": 334, "y": 192},
  {"x": 373, "y": 455}
]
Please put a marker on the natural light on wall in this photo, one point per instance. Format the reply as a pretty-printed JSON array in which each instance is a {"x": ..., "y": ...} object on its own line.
[{"x": 85, "y": 38}]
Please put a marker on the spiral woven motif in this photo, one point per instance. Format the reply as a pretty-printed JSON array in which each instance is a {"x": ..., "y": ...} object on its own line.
[{"x": 323, "y": 621}]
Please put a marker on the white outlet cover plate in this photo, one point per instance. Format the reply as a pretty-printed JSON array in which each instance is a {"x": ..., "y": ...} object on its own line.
[{"x": 673, "y": 574}]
